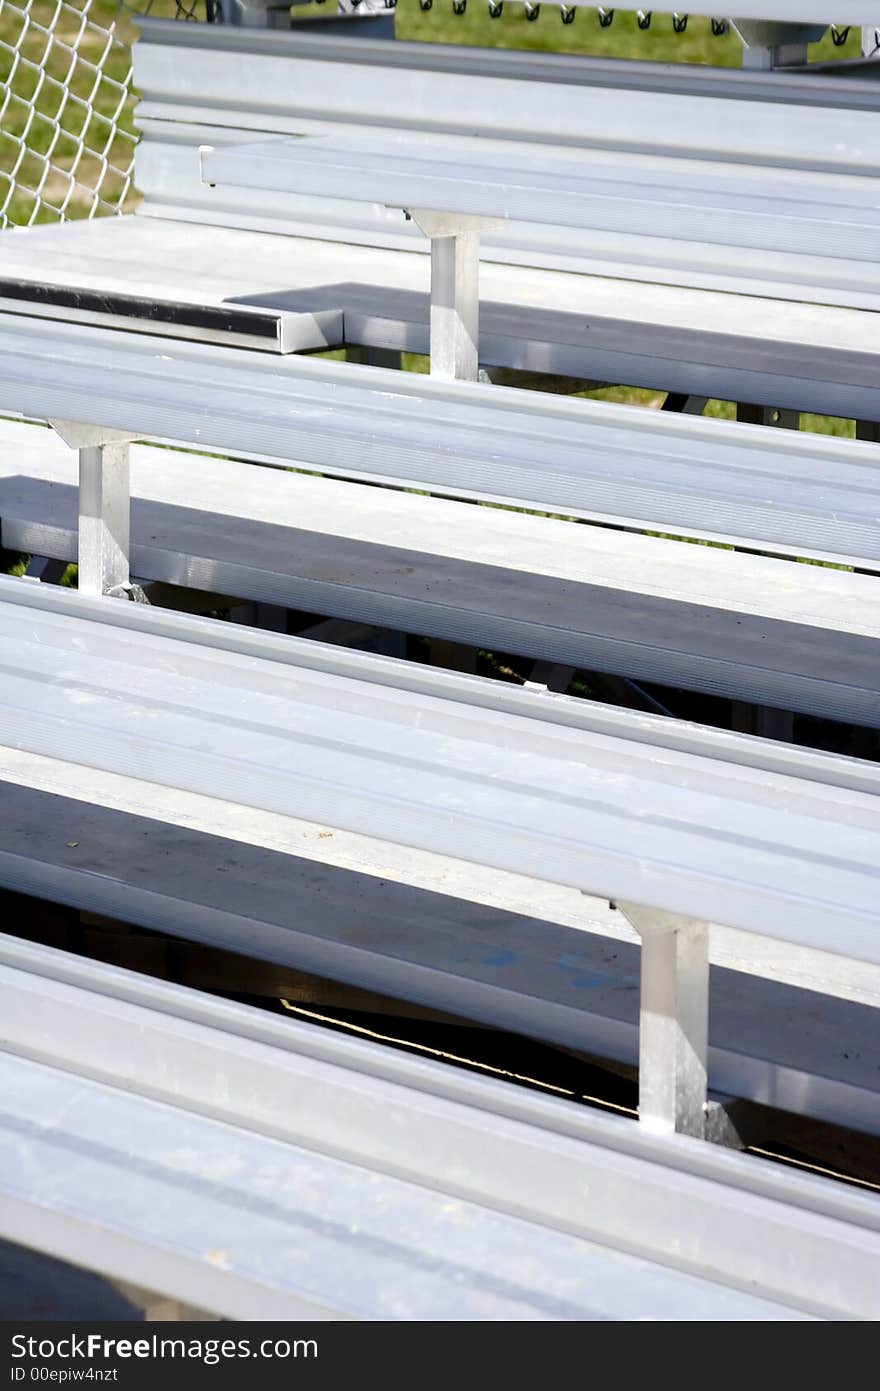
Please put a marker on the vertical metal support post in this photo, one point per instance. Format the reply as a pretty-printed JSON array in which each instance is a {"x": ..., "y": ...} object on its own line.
[
  {"x": 455, "y": 292},
  {"x": 104, "y": 506},
  {"x": 454, "y": 656},
  {"x": 673, "y": 1020},
  {"x": 455, "y": 306},
  {"x": 764, "y": 721}
]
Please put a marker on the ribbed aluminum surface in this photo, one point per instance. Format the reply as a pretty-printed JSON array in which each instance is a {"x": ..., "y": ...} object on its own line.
[
  {"x": 813, "y": 496},
  {"x": 790, "y": 211},
  {"x": 692, "y": 829},
  {"x": 561, "y": 1204},
  {"x": 253, "y": 1228},
  {"x": 292, "y": 82},
  {"x": 210, "y": 84},
  {"x": 724, "y": 622},
  {"x": 574, "y": 985}
]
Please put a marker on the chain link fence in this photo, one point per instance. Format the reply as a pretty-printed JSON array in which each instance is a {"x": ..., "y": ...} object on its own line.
[
  {"x": 67, "y": 134},
  {"x": 66, "y": 131}
]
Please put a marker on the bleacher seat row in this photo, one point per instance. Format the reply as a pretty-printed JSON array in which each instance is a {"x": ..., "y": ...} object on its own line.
[
  {"x": 330, "y": 1167},
  {"x": 750, "y": 628},
  {"x": 454, "y": 192},
  {"x": 779, "y": 327},
  {"x": 803, "y": 495},
  {"x": 409, "y": 931},
  {"x": 597, "y": 799}
]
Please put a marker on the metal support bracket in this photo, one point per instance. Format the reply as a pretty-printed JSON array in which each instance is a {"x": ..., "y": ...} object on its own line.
[
  {"x": 764, "y": 721},
  {"x": 769, "y": 44},
  {"x": 550, "y": 677},
  {"x": 104, "y": 506},
  {"x": 683, "y": 404},
  {"x": 44, "y": 570},
  {"x": 778, "y": 419},
  {"x": 673, "y": 1020},
  {"x": 455, "y": 294}
]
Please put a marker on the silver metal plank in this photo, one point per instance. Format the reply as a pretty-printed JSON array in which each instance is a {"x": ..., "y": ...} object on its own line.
[
  {"x": 199, "y": 1024},
  {"x": 153, "y": 256},
  {"x": 511, "y": 894},
  {"x": 254, "y": 1229},
  {"x": 821, "y": 86},
  {"x": 723, "y": 622},
  {"x": 267, "y": 1087},
  {"x": 516, "y": 95},
  {"x": 170, "y": 172},
  {"x": 517, "y": 781},
  {"x": 809, "y": 496},
  {"x": 798, "y": 1051},
  {"x": 544, "y": 98},
  {"x": 739, "y": 346},
  {"x": 754, "y": 365},
  {"x": 769, "y": 210}
]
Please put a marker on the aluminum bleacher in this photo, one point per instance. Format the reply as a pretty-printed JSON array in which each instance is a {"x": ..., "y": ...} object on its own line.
[{"x": 433, "y": 838}]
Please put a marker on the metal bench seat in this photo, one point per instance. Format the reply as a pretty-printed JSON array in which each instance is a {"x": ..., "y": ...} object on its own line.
[
  {"x": 203, "y": 672},
  {"x": 782, "y": 1032},
  {"x": 779, "y": 491},
  {"x": 141, "y": 1120},
  {"x": 252, "y": 1228},
  {"x": 778, "y": 327},
  {"x": 454, "y": 191},
  {"x": 208, "y": 283},
  {"x": 749, "y": 627},
  {"x": 258, "y": 1167},
  {"x": 679, "y": 825},
  {"x": 797, "y": 211}
]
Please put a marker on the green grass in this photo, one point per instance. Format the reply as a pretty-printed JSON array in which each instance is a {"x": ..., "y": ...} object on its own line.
[{"x": 622, "y": 39}]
